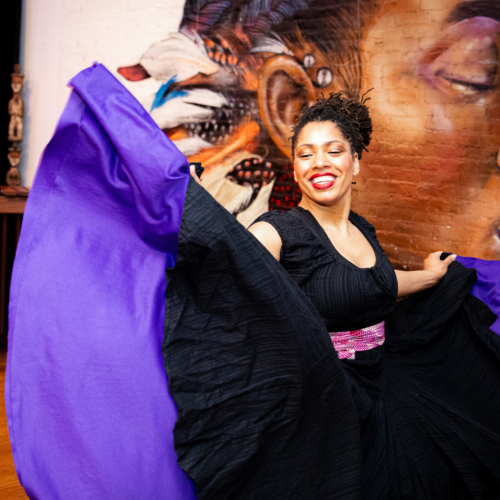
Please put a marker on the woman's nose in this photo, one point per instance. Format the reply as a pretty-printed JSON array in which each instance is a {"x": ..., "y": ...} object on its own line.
[{"x": 321, "y": 160}]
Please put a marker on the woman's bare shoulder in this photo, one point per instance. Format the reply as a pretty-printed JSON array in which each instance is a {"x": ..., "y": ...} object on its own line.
[{"x": 268, "y": 236}]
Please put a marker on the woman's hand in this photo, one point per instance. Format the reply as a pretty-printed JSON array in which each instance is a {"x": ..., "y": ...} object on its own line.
[
  {"x": 192, "y": 171},
  {"x": 437, "y": 267},
  {"x": 415, "y": 281}
]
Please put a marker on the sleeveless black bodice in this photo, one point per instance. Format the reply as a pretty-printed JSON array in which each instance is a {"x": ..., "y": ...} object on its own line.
[{"x": 347, "y": 297}]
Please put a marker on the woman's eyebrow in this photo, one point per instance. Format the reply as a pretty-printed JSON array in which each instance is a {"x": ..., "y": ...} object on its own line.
[
  {"x": 474, "y": 8},
  {"x": 324, "y": 144},
  {"x": 332, "y": 142}
]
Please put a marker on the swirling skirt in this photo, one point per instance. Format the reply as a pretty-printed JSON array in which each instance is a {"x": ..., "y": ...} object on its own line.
[{"x": 268, "y": 411}]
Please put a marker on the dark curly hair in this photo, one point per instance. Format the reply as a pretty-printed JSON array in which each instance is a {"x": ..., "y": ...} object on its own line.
[{"x": 351, "y": 116}]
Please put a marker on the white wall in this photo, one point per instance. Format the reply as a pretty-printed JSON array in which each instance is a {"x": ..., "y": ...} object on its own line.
[{"x": 62, "y": 37}]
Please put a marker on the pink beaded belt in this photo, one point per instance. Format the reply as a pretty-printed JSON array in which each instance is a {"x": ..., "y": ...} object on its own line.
[{"x": 347, "y": 343}]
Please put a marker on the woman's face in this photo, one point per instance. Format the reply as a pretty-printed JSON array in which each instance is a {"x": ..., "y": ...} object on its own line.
[{"x": 324, "y": 164}]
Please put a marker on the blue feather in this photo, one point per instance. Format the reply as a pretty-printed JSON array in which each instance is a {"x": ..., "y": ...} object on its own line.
[{"x": 163, "y": 95}]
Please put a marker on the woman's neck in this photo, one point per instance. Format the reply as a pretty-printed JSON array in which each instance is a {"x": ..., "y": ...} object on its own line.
[{"x": 332, "y": 216}]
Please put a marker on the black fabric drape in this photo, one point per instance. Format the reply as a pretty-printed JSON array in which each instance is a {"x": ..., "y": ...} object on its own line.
[
  {"x": 268, "y": 411},
  {"x": 246, "y": 352}
]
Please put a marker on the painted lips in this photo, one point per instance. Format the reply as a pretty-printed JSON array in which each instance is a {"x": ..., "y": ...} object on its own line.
[{"x": 322, "y": 181}]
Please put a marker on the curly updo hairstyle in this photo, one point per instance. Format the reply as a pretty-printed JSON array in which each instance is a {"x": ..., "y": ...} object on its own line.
[{"x": 351, "y": 116}]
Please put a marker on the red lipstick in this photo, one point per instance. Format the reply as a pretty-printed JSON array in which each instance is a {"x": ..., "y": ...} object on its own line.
[{"x": 322, "y": 185}]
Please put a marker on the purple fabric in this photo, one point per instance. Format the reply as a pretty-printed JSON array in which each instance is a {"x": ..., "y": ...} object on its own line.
[
  {"x": 88, "y": 408},
  {"x": 487, "y": 286}
]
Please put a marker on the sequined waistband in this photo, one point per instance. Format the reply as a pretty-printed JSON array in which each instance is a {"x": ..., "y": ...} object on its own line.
[{"x": 347, "y": 343}]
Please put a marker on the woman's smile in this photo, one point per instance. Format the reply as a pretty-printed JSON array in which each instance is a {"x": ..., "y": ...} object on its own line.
[{"x": 322, "y": 181}]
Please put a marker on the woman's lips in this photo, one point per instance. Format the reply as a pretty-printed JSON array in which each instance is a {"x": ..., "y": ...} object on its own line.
[{"x": 322, "y": 181}]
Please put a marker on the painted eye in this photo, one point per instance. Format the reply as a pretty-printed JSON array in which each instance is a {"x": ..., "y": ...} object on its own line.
[
  {"x": 467, "y": 60},
  {"x": 324, "y": 77},
  {"x": 309, "y": 61},
  {"x": 470, "y": 64}
]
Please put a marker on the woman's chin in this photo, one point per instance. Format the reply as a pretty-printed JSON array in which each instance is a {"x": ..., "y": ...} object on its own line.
[{"x": 328, "y": 196}]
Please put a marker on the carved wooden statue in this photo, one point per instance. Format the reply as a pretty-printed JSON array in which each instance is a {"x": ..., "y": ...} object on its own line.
[
  {"x": 13, "y": 175},
  {"x": 16, "y": 112},
  {"x": 16, "y": 107}
]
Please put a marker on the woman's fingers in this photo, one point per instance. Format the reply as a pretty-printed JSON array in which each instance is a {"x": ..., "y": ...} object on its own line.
[
  {"x": 443, "y": 265},
  {"x": 436, "y": 266},
  {"x": 192, "y": 171},
  {"x": 449, "y": 259}
]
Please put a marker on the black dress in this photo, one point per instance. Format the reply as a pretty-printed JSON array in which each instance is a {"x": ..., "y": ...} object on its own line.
[{"x": 267, "y": 410}]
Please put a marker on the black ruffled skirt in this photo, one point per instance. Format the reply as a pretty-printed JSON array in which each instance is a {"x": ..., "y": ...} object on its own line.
[{"x": 268, "y": 411}]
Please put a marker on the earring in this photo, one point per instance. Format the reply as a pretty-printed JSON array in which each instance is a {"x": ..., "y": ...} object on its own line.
[
  {"x": 309, "y": 61},
  {"x": 324, "y": 77}
]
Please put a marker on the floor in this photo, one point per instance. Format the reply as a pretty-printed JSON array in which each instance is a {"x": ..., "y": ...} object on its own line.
[{"x": 10, "y": 489}]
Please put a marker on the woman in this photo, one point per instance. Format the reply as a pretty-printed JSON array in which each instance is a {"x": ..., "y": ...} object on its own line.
[
  {"x": 412, "y": 390},
  {"x": 265, "y": 407},
  {"x": 327, "y": 145}
]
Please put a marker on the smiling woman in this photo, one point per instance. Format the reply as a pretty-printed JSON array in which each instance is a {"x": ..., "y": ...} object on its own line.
[{"x": 327, "y": 142}]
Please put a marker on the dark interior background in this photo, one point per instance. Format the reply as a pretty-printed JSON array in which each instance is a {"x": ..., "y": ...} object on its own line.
[{"x": 10, "y": 26}]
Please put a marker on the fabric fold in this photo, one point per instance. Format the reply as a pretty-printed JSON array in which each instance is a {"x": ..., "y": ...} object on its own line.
[
  {"x": 264, "y": 407},
  {"x": 88, "y": 408},
  {"x": 487, "y": 286}
]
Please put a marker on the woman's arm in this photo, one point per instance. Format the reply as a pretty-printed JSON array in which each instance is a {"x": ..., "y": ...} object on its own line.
[
  {"x": 268, "y": 236},
  {"x": 415, "y": 281}
]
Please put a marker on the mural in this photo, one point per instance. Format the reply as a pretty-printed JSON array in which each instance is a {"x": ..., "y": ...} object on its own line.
[{"x": 232, "y": 81}]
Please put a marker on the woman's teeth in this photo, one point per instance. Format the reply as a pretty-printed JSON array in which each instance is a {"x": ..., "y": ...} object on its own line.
[{"x": 323, "y": 179}]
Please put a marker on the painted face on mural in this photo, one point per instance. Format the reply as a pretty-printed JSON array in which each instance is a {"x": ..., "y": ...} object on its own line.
[
  {"x": 435, "y": 108},
  {"x": 233, "y": 80}
]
